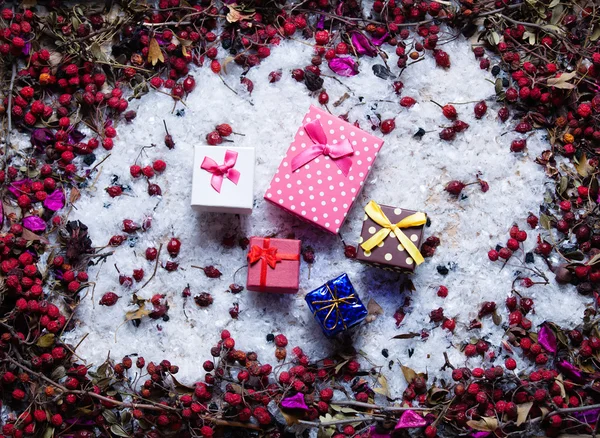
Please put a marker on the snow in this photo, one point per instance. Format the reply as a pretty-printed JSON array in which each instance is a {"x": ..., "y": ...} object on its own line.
[{"x": 409, "y": 173}]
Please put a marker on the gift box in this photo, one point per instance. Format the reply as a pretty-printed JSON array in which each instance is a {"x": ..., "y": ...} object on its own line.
[
  {"x": 223, "y": 179},
  {"x": 336, "y": 306},
  {"x": 273, "y": 265},
  {"x": 391, "y": 237},
  {"x": 324, "y": 170}
]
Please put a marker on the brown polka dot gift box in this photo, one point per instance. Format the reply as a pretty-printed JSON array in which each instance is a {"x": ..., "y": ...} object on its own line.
[
  {"x": 323, "y": 170},
  {"x": 391, "y": 237}
]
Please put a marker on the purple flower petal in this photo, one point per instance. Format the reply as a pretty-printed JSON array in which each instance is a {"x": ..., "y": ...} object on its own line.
[
  {"x": 27, "y": 48},
  {"x": 15, "y": 186},
  {"x": 588, "y": 416},
  {"x": 55, "y": 200},
  {"x": 547, "y": 339},
  {"x": 294, "y": 402},
  {"x": 34, "y": 223},
  {"x": 41, "y": 137},
  {"x": 340, "y": 8},
  {"x": 480, "y": 434},
  {"x": 345, "y": 66},
  {"x": 379, "y": 41},
  {"x": 374, "y": 434},
  {"x": 570, "y": 370},
  {"x": 362, "y": 45},
  {"x": 321, "y": 22},
  {"x": 1, "y": 214},
  {"x": 75, "y": 136},
  {"x": 410, "y": 419}
]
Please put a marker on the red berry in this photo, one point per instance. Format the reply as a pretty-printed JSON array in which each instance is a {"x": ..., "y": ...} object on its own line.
[
  {"x": 449, "y": 112},
  {"x": 387, "y": 126},
  {"x": 109, "y": 299},
  {"x": 454, "y": 187},
  {"x": 214, "y": 138},
  {"x": 407, "y": 102},
  {"x": 480, "y": 109},
  {"x": 159, "y": 165},
  {"x": 173, "y": 247},
  {"x": 323, "y": 97}
]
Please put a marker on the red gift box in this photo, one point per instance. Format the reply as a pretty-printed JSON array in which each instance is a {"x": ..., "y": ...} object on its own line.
[{"x": 273, "y": 265}]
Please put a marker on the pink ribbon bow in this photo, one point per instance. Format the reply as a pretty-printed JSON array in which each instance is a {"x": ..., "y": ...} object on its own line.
[
  {"x": 339, "y": 153},
  {"x": 223, "y": 171}
]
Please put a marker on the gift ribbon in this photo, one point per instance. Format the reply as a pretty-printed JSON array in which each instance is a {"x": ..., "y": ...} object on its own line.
[
  {"x": 333, "y": 305},
  {"x": 339, "y": 153},
  {"x": 269, "y": 256},
  {"x": 374, "y": 211},
  {"x": 225, "y": 170}
]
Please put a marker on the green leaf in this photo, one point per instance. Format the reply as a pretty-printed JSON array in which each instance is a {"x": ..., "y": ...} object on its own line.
[
  {"x": 545, "y": 221},
  {"x": 564, "y": 183},
  {"x": 118, "y": 430},
  {"x": 110, "y": 417},
  {"x": 58, "y": 373},
  {"x": 49, "y": 433},
  {"x": 45, "y": 341}
]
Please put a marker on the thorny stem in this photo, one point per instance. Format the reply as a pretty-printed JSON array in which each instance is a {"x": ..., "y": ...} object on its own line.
[{"x": 155, "y": 268}]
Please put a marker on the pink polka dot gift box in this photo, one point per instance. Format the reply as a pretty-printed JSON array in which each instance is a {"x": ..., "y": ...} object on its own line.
[{"x": 323, "y": 170}]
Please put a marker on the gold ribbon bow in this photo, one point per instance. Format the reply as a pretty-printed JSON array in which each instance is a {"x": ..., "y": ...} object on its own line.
[
  {"x": 374, "y": 211},
  {"x": 333, "y": 305}
]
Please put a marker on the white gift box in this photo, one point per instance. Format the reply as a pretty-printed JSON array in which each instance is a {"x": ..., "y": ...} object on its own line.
[{"x": 223, "y": 179}]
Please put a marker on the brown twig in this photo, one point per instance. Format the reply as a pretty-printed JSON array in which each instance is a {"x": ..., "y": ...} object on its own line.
[{"x": 155, "y": 268}]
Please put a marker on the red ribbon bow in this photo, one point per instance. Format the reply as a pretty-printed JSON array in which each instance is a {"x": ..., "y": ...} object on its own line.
[
  {"x": 339, "y": 153},
  {"x": 269, "y": 257},
  {"x": 225, "y": 170}
]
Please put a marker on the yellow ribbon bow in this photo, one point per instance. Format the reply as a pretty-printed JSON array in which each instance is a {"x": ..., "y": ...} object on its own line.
[
  {"x": 333, "y": 305},
  {"x": 374, "y": 211}
]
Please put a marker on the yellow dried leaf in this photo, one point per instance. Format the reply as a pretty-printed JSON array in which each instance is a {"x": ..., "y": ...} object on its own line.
[
  {"x": 234, "y": 15},
  {"x": 523, "y": 412},
  {"x": 487, "y": 424},
  {"x": 138, "y": 314},
  {"x": 75, "y": 195},
  {"x": 154, "y": 52},
  {"x": 384, "y": 390},
  {"x": 583, "y": 166},
  {"x": 409, "y": 374}
]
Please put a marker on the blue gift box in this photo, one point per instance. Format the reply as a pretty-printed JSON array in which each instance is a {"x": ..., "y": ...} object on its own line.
[{"x": 336, "y": 306}]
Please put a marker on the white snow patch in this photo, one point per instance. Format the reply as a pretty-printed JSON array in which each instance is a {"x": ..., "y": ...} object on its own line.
[{"x": 409, "y": 173}]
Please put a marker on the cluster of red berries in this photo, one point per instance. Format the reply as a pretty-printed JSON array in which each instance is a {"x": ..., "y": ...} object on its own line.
[
  {"x": 517, "y": 237},
  {"x": 216, "y": 137}
]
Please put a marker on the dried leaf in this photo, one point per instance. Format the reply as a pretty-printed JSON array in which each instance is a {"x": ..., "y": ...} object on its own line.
[
  {"x": 97, "y": 52},
  {"x": 374, "y": 310},
  {"x": 45, "y": 341},
  {"x": 407, "y": 335},
  {"x": 290, "y": 418},
  {"x": 118, "y": 430},
  {"x": 563, "y": 184},
  {"x": 110, "y": 417},
  {"x": 545, "y": 221},
  {"x": 562, "y": 81},
  {"x": 28, "y": 4},
  {"x": 234, "y": 15},
  {"x": 225, "y": 62},
  {"x": 583, "y": 166},
  {"x": 75, "y": 195},
  {"x": 49, "y": 433},
  {"x": 384, "y": 390},
  {"x": 154, "y": 52},
  {"x": 487, "y": 424},
  {"x": 596, "y": 34},
  {"x": 523, "y": 412},
  {"x": 138, "y": 314},
  {"x": 340, "y": 365},
  {"x": 496, "y": 318},
  {"x": 32, "y": 237},
  {"x": 409, "y": 374}
]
